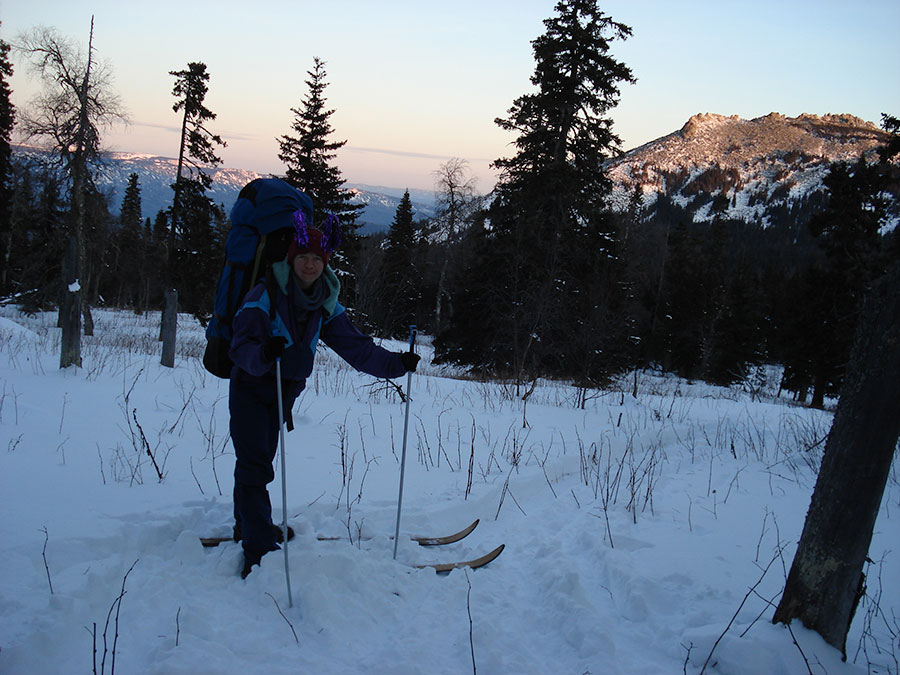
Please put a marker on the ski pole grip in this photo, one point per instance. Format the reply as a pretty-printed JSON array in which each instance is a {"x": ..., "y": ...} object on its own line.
[{"x": 412, "y": 338}]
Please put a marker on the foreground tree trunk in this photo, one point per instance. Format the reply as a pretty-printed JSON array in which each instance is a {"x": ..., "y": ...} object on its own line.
[
  {"x": 70, "y": 310},
  {"x": 826, "y": 580},
  {"x": 169, "y": 324}
]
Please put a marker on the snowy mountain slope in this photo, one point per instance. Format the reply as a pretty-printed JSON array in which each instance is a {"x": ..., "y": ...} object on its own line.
[
  {"x": 714, "y": 166},
  {"x": 156, "y": 174},
  {"x": 381, "y": 205},
  {"x": 741, "y": 169}
]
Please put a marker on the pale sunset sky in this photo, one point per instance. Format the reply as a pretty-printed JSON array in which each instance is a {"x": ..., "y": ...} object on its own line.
[{"x": 414, "y": 84}]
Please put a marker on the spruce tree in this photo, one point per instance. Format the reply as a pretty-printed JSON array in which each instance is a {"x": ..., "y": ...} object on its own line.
[
  {"x": 129, "y": 254},
  {"x": 679, "y": 319},
  {"x": 38, "y": 249},
  {"x": 848, "y": 232},
  {"x": 156, "y": 236},
  {"x": 197, "y": 147},
  {"x": 548, "y": 215},
  {"x": 97, "y": 233},
  {"x": 191, "y": 213},
  {"x": 7, "y": 120},
  {"x": 400, "y": 294},
  {"x": 309, "y": 154},
  {"x": 735, "y": 343},
  {"x": 199, "y": 257}
]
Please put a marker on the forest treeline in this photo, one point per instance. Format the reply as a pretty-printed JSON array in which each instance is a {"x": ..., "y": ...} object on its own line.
[{"x": 541, "y": 278}]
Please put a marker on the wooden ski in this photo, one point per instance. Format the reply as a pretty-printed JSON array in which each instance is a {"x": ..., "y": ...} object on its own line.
[
  {"x": 474, "y": 564},
  {"x": 422, "y": 540},
  {"x": 433, "y": 541},
  {"x": 448, "y": 539}
]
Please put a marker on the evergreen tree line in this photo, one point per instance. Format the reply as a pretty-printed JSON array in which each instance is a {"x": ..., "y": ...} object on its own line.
[
  {"x": 539, "y": 279},
  {"x": 123, "y": 261},
  {"x": 715, "y": 301},
  {"x": 127, "y": 254},
  {"x": 545, "y": 280}
]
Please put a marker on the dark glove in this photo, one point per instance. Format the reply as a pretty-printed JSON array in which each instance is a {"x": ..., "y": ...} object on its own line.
[
  {"x": 410, "y": 361},
  {"x": 274, "y": 348}
]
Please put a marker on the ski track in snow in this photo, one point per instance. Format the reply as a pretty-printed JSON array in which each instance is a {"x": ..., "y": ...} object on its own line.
[{"x": 712, "y": 487}]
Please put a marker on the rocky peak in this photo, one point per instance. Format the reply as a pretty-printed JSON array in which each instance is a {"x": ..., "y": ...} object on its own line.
[
  {"x": 733, "y": 141},
  {"x": 750, "y": 165},
  {"x": 704, "y": 122}
]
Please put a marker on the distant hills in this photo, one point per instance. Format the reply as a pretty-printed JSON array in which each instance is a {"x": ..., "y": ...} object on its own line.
[
  {"x": 155, "y": 176},
  {"x": 758, "y": 171}
]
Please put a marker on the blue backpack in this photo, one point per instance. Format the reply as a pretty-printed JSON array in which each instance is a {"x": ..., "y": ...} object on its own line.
[{"x": 262, "y": 227}]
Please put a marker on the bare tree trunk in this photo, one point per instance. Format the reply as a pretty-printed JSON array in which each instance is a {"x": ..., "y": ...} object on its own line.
[
  {"x": 438, "y": 309},
  {"x": 88, "y": 318},
  {"x": 169, "y": 317},
  {"x": 76, "y": 257},
  {"x": 4, "y": 276},
  {"x": 176, "y": 199},
  {"x": 73, "y": 269},
  {"x": 818, "y": 396},
  {"x": 70, "y": 311},
  {"x": 170, "y": 323},
  {"x": 826, "y": 580},
  {"x": 88, "y": 299}
]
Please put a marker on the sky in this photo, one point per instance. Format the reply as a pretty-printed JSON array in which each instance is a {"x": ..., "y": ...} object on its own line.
[{"x": 414, "y": 84}]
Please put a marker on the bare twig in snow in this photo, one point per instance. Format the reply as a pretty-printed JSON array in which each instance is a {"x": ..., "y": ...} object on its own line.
[
  {"x": 44, "y": 556},
  {"x": 740, "y": 607},
  {"x": 471, "y": 625},
  {"x": 296, "y": 639}
]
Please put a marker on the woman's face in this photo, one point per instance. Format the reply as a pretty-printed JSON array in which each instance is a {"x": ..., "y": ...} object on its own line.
[{"x": 308, "y": 267}]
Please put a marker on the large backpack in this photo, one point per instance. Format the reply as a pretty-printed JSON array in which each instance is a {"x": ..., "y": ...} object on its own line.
[{"x": 262, "y": 226}]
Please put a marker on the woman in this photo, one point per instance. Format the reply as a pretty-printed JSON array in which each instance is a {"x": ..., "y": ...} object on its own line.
[{"x": 284, "y": 318}]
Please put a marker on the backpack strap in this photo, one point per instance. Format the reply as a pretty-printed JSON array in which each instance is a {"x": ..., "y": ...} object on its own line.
[
  {"x": 257, "y": 259},
  {"x": 272, "y": 290}
]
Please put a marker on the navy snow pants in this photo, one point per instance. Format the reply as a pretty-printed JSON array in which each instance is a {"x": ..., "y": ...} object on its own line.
[{"x": 254, "y": 433}]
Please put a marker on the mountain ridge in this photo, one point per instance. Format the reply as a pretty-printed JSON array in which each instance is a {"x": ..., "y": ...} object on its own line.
[
  {"x": 714, "y": 167},
  {"x": 156, "y": 173},
  {"x": 755, "y": 170}
]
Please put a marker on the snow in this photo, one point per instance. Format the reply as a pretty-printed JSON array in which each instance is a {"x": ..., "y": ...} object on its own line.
[{"x": 643, "y": 535}]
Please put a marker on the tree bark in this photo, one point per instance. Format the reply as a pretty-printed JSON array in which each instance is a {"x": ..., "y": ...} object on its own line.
[
  {"x": 70, "y": 314},
  {"x": 826, "y": 580},
  {"x": 169, "y": 325}
]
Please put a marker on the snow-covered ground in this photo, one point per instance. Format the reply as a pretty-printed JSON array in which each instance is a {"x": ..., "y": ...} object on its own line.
[{"x": 646, "y": 534}]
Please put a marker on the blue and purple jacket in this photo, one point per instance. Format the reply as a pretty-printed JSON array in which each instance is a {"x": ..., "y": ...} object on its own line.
[{"x": 330, "y": 323}]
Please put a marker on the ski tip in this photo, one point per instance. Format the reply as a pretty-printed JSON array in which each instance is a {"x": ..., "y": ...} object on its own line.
[
  {"x": 448, "y": 539},
  {"x": 473, "y": 564}
]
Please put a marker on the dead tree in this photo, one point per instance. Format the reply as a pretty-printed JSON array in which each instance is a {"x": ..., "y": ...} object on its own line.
[{"x": 76, "y": 103}]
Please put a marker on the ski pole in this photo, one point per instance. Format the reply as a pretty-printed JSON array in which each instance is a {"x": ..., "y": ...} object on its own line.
[
  {"x": 412, "y": 346},
  {"x": 284, "y": 530}
]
